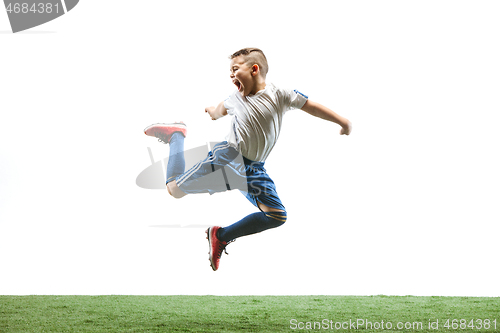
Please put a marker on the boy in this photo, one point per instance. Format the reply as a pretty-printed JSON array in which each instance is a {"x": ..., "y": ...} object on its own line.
[{"x": 257, "y": 111}]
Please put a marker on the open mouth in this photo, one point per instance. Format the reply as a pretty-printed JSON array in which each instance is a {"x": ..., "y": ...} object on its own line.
[{"x": 238, "y": 84}]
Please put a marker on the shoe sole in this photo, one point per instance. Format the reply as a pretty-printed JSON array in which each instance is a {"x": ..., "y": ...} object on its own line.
[
  {"x": 180, "y": 125},
  {"x": 210, "y": 248}
]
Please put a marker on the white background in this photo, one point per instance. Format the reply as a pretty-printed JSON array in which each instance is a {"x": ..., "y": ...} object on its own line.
[{"x": 408, "y": 204}]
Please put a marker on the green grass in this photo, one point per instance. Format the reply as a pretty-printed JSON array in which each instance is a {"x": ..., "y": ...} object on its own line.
[{"x": 239, "y": 313}]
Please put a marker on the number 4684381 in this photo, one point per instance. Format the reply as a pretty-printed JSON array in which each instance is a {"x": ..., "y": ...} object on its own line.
[{"x": 36, "y": 8}]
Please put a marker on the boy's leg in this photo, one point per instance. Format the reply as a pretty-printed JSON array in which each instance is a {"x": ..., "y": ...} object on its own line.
[
  {"x": 174, "y": 190},
  {"x": 219, "y": 238},
  {"x": 204, "y": 176},
  {"x": 174, "y": 135},
  {"x": 216, "y": 173},
  {"x": 176, "y": 164},
  {"x": 261, "y": 193},
  {"x": 254, "y": 223}
]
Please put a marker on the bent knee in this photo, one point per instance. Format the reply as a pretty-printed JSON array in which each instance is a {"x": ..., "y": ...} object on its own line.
[
  {"x": 174, "y": 190},
  {"x": 279, "y": 217}
]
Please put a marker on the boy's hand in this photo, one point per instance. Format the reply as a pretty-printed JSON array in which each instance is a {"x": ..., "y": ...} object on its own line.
[
  {"x": 346, "y": 129},
  {"x": 216, "y": 112},
  {"x": 211, "y": 111}
]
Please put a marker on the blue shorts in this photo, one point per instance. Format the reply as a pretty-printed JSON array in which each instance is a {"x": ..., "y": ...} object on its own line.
[{"x": 225, "y": 169}]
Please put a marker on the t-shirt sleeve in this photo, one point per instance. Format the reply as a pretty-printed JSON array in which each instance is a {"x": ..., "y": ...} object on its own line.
[
  {"x": 297, "y": 99},
  {"x": 229, "y": 103}
]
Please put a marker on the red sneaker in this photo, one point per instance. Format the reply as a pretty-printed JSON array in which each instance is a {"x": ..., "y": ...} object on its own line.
[
  {"x": 216, "y": 247},
  {"x": 164, "y": 131}
]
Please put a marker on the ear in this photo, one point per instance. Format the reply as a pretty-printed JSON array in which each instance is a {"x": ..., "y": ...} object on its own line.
[{"x": 255, "y": 69}]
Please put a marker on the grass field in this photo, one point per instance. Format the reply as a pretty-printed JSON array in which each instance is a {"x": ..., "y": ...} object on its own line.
[{"x": 248, "y": 314}]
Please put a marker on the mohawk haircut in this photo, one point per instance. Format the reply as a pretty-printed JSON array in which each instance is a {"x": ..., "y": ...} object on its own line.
[{"x": 253, "y": 56}]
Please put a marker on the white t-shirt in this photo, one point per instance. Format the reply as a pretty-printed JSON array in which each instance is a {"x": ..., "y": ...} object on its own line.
[{"x": 257, "y": 119}]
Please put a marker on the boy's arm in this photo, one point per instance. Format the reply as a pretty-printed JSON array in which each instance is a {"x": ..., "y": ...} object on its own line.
[
  {"x": 216, "y": 112},
  {"x": 323, "y": 112}
]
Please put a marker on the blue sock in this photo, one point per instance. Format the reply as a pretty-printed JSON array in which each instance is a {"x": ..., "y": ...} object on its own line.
[
  {"x": 176, "y": 162},
  {"x": 252, "y": 224}
]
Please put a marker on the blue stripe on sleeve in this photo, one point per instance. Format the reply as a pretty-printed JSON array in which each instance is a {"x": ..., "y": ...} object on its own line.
[{"x": 298, "y": 92}]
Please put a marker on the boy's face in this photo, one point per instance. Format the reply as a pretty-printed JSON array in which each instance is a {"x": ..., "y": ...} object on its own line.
[{"x": 242, "y": 76}]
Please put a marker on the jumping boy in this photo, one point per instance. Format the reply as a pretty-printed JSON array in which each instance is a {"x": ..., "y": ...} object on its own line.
[{"x": 257, "y": 110}]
